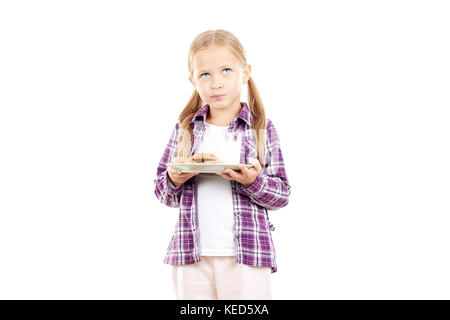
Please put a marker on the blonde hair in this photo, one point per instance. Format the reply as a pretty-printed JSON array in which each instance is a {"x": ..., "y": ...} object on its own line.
[{"x": 228, "y": 40}]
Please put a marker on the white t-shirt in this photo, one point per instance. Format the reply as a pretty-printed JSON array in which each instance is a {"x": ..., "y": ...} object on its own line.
[{"x": 214, "y": 195}]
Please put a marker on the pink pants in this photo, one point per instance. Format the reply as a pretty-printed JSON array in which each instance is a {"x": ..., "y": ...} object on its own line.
[{"x": 222, "y": 278}]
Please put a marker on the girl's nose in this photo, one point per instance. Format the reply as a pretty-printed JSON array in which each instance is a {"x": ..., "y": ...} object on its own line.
[{"x": 217, "y": 83}]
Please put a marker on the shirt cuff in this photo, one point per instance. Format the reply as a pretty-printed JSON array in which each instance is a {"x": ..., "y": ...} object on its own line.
[
  {"x": 171, "y": 189},
  {"x": 255, "y": 188}
]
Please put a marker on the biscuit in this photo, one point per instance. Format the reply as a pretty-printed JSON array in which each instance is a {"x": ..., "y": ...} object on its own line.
[{"x": 204, "y": 158}]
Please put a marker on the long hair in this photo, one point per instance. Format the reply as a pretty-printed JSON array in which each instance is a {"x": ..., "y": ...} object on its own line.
[{"x": 228, "y": 40}]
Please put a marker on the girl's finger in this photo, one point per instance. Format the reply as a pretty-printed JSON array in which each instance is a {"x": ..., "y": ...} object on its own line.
[
  {"x": 188, "y": 174},
  {"x": 225, "y": 175},
  {"x": 256, "y": 164},
  {"x": 234, "y": 174},
  {"x": 244, "y": 169},
  {"x": 228, "y": 172}
]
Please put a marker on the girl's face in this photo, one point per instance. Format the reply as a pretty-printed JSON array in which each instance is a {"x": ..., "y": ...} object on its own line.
[{"x": 216, "y": 71}]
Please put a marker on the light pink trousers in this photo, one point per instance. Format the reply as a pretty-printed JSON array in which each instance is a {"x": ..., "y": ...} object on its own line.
[{"x": 222, "y": 278}]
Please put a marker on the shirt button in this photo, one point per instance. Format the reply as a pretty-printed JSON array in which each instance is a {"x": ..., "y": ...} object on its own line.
[{"x": 237, "y": 213}]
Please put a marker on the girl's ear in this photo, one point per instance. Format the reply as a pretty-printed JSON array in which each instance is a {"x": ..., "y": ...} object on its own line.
[
  {"x": 247, "y": 71},
  {"x": 191, "y": 80}
]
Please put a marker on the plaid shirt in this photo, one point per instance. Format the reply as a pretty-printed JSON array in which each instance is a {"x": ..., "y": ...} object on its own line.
[{"x": 270, "y": 191}]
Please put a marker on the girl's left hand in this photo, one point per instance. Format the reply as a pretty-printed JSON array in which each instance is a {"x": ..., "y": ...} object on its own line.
[{"x": 246, "y": 176}]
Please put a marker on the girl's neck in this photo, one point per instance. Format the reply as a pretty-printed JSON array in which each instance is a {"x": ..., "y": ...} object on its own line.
[{"x": 223, "y": 117}]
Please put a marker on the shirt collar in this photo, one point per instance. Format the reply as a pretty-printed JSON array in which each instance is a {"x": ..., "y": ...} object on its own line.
[{"x": 245, "y": 113}]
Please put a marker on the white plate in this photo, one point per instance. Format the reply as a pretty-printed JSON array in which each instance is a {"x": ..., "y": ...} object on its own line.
[{"x": 206, "y": 167}]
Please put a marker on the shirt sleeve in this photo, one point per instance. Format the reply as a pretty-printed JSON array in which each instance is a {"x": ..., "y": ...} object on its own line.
[
  {"x": 165, "y": 191},
  {"x": 271, "y": 189}
]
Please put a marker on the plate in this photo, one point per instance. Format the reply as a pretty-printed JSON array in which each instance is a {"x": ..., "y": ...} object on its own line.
[{"x": 206, "y": 167}]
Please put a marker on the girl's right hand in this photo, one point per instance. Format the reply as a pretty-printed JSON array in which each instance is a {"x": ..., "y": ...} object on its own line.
[{"x": 177, "y": 177}]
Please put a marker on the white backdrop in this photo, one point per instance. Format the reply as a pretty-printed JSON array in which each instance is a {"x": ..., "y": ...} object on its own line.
[{"x": 359, "y": 93}]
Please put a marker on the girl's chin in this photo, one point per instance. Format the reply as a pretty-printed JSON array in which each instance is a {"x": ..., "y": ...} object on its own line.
[{"x": 218, "y": 105}]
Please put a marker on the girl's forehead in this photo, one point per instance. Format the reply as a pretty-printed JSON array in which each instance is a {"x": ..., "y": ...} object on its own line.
[
  {"x": 214, "y": 57},
  {"x": 213, "y": 54}
]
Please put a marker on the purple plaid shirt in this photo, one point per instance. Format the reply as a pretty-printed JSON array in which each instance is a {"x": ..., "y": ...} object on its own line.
[{"x": 270, "y": 191}]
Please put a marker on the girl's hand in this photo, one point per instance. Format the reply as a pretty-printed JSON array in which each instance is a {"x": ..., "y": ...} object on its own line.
[
  {"x": 177, "y": 177},
  {"x": 246, "y": 176}
]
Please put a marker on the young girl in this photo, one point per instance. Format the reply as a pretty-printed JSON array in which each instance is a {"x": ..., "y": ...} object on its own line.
[{"x": 222, "y": 246}]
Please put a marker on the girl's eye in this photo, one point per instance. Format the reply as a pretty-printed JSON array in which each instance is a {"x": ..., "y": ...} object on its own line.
[{"x": 201, "y": 76}]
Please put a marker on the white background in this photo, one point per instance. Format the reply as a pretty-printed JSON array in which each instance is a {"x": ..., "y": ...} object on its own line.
[{"x": 359, "y": 94}]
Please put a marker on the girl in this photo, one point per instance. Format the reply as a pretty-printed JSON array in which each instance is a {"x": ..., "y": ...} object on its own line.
[{"x": 222, "y": 246}]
